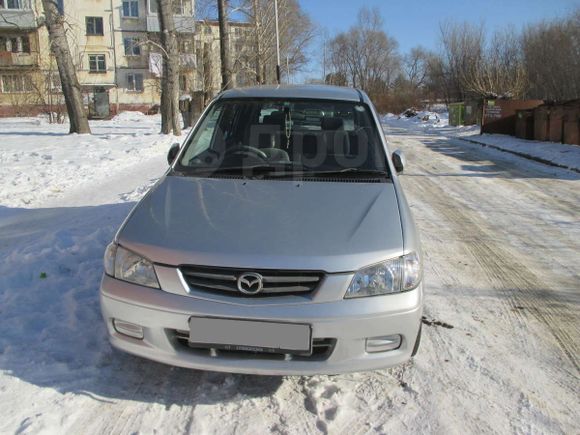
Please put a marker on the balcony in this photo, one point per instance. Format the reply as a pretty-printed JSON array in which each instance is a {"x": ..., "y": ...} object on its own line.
[
  {"x": 183, "y": 23},
  {"x": 20, "y": 19},
  {"x": 8, "y": 59}
]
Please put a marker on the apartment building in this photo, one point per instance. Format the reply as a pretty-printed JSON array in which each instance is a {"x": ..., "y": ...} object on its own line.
[{"x": 115, "y": 47}]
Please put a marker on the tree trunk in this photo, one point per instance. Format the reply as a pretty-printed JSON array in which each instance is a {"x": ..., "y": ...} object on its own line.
[
  {"x": 170, "y": 118},
  {"x": 71, "y": 88},
  {"x": 258, "y": 42},
  {"x": 206, "y": 74},
  {"x": 224, "y": 45}
]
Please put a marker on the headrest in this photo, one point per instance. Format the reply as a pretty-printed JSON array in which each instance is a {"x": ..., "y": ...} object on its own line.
[
  {"x": 274, "y": 118},
  {"x": 332, "y": 123}
]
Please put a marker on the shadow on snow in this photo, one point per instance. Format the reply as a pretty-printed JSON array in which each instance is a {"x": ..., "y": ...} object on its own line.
[{"x": 53, "y": 334}]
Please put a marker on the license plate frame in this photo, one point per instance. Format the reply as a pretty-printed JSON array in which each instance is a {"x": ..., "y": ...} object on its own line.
[{"x": 261, "y": 336}]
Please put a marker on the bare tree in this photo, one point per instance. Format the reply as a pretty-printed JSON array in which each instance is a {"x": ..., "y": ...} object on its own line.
[
  {"x": 551, "y": 52},
  {"x": 170, "y": 79},
  {"x": 499, "y": 72},
  {"x": 463, "y": 48},
  {"x": 416, "y": 66},
  {"x": 366, "y": 55},
  {"x": 225, "y": 53},
  {"x": 71, "y": 88},
  {"x": 296, "y": 34},
  {"x": 472, "y": 64},
  {"x": 257, "y": 21}
]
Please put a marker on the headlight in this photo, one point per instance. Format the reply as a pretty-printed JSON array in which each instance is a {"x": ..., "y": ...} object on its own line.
[
  {"x": 109, "y": 260},
  {"x": 128, "y": 266},
  {"x": 392, "y": 276}
]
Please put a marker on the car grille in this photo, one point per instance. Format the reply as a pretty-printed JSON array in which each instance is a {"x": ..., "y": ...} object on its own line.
[
  {"x": 321, "y": 349},
  {"x": 275, "y": 282}
]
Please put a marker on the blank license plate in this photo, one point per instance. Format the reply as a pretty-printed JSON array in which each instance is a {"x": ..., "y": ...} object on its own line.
[{"x": 249, "y": 335}]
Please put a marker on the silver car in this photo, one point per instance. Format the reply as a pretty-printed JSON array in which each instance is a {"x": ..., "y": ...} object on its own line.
[{"x": 278, "y": 242}]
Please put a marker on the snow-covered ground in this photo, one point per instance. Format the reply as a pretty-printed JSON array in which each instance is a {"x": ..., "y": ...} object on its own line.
[
  {"x": 40, "y": 162},
  {"x": 500, "y": 346},
  {"x": 563, "y": 155}
]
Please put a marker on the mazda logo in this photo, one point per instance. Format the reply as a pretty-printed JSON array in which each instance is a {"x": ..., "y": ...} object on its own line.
[{"x": 250, "y": 283}]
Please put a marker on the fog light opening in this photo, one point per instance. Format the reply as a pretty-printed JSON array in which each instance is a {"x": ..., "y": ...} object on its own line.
[
  {"x": 383, "y": 344},
  {"x": 128, "y": 329}
]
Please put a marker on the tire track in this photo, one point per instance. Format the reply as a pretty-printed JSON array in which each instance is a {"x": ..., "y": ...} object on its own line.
[{"x": 520, "y": 285}]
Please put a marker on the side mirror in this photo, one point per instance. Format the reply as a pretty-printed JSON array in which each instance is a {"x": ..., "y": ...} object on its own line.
[
  {"x": 399, "y": 160},
  {"x": 173, "y": 151}
]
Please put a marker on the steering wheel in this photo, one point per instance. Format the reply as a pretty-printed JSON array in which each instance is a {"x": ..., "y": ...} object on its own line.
[{"x": 245, "y": 151}]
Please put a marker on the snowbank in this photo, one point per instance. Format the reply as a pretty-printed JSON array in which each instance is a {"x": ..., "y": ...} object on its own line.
[
  {"x": 426, "y": 118},
  {"x": 40, "y": 162},
  {"x": 563, "y": 155},
  {"x": 132, "y": 116}
]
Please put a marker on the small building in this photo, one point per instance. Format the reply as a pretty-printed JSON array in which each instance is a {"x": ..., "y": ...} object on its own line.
[
  {"x": 525, "y": 124},
  {"x": 473, "y": 111},
  {"x": 558, "y": 122},
  {"x": 571, "y": 121},
  {"x": 499, "y": 116},
  {"x": 456, "y": 113}
]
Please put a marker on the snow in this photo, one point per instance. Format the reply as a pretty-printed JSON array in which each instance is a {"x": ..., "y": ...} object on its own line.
[
  {"x": 39, "y": 161},
  {"x": 563, "y": 155},
  {"x": 500, "y": 339}
]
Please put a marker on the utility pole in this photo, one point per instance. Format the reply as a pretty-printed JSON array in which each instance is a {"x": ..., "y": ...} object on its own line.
[
  {"x": 277, "y": 43},
  {"x": 224, "y": 45}
]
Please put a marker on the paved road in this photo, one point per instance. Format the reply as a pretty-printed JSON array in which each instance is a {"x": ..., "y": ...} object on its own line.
[{"x": 500, "y": 346}]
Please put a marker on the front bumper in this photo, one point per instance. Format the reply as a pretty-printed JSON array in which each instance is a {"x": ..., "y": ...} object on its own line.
[{"x": 347, "y": 322}]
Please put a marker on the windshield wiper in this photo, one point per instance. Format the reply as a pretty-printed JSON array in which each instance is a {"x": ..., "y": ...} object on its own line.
[
  {"x": 280, "y": 168},
  {"x": 345, "y": 171}
]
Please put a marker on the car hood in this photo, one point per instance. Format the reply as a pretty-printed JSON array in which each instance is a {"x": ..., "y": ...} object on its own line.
[{"x": 262, "y": 224}]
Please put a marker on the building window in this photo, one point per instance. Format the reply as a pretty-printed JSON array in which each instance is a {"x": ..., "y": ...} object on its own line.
[
  {"x": 16, "y": 84},
  {"x": 178, "y": 7},
  {"x": 183, "y": 83},
  {"x": 14, "y": 4},
  {"x": 54, "y": 84},
  {"x": 186, "y": 46},
  {"x": 131, "y": 8},
  {"x": 15, "y": 44},
  {"x": 132, "y": 46},
  {"x": 97, "y": 63},
  {"x": 94, "y": 26},
  {"x": 207, "y": 30},
  {"x": 135, "y": 82}
]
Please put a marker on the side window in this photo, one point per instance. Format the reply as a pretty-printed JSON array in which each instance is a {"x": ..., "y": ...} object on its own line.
[
  {"x": 94, "y": 26},
  {"x": 135, "y": 82},
  {"x": 130, "y": 8},
  {"x": 204, "y": 137},
  {"x": 97, "y": 63},
  {"x": 132, "y": 46}
]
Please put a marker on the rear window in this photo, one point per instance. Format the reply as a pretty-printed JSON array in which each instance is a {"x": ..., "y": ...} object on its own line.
[{"x": 305, "y": 134}]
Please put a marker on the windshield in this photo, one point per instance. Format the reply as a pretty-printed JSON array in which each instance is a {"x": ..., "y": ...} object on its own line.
[{"x": 285, "y": 136}]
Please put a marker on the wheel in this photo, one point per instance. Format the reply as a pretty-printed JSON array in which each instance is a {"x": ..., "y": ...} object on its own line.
[{"x": 417, "y": 341}]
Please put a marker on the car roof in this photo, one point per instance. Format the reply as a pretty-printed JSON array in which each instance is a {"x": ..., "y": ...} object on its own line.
[{"x": 322, "y": 92}]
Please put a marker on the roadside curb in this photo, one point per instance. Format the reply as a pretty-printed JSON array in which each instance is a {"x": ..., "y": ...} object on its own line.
[{"x": 520, "y": 154}]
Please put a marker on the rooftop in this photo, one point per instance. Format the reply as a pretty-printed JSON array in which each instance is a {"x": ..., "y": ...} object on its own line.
[{"x": 322, "y": 92}]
